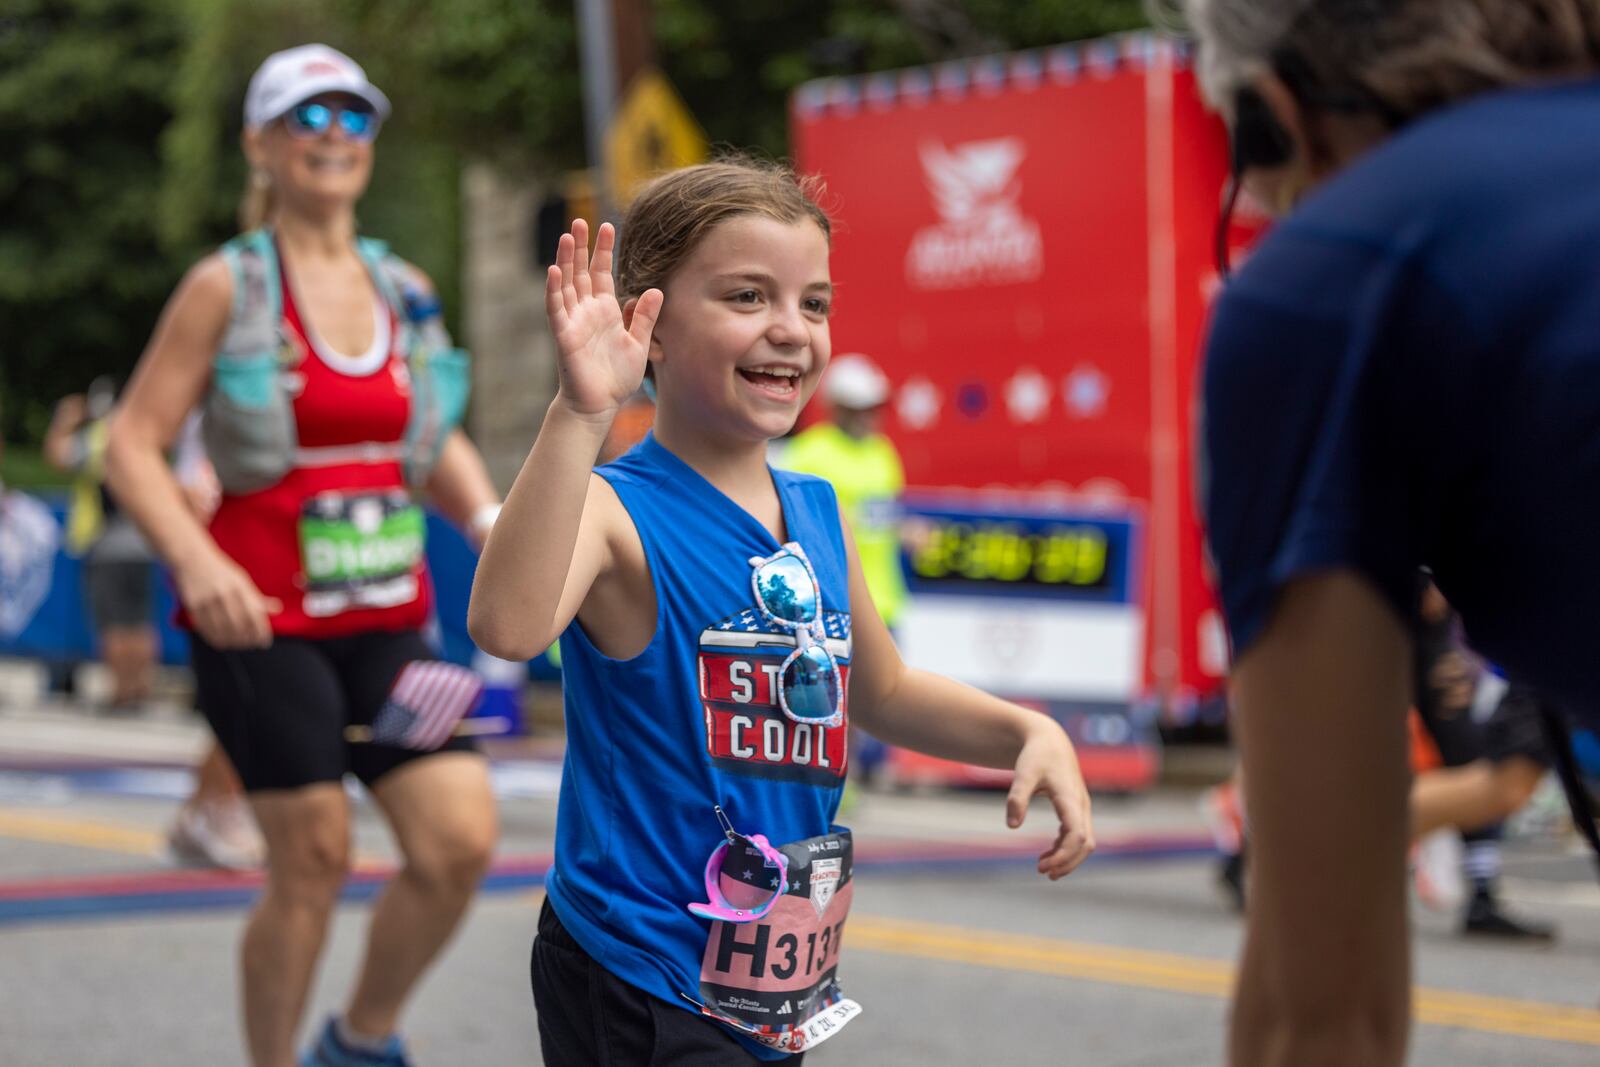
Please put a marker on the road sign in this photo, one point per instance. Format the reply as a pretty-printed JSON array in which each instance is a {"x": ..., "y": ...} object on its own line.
[{"x": 651, "y": 132}]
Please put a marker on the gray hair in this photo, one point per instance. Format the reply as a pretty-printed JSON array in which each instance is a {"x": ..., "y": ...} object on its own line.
[
  {"x": 1236, "y": 37},
  {"x": 1413, "y": 55}
]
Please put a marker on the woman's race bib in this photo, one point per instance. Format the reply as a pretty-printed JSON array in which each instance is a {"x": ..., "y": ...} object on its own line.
[
  {"x": 360, "y": 551},
  {"x": 775, "y": 979}
]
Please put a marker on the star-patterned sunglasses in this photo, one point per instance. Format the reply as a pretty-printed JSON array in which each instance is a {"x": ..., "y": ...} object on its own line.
[{"x": 763, "y": 867}]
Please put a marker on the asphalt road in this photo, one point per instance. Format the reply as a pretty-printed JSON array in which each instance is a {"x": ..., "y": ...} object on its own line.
[{"x": 958, "y": 953}]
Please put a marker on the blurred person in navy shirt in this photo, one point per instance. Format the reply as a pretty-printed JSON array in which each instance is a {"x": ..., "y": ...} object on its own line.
[{"x": 1405, "y": 373}]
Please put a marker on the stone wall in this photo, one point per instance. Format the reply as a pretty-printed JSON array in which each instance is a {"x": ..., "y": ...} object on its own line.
[{"x": 514, "y": 370}]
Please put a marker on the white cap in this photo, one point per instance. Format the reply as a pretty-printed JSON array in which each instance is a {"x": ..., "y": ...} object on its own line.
[
  {"x": 295, "y": 75},
  {"x": 855, "y": 382}
]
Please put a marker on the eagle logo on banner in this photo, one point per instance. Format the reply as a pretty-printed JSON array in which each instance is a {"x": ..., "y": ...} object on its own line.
[
  {"x": 983, "y": 237},
  {"x": 976, "y": 184}
]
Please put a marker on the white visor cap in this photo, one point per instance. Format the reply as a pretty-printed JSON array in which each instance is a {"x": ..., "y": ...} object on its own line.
[
  {"x": 855, "y": 382},
  {"x": 295, "y": 75}
]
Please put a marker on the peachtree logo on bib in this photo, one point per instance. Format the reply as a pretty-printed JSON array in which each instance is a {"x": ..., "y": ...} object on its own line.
[
  {"x": 824, "y": 880},
  {"x": 983, "y": 238}
]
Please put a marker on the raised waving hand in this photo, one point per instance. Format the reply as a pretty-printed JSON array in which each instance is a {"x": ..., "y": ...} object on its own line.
[{"x": 601, "y": 357}]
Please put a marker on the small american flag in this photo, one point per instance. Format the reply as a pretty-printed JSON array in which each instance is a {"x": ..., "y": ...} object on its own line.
[{"x": 427, "y": 702}]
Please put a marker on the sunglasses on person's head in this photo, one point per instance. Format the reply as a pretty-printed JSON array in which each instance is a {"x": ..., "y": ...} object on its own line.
[
  {"x": 759, "y": 871},
  {"x": 809, "y": 686},
  {"x": 312, "y": 120}
]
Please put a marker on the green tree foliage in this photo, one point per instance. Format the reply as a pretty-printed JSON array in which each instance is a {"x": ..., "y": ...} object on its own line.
[
  {"x": 83, "y": 90},
  {"x": 495, "y": 78},
  {"x": 1038, "y": 23},
  {"x": 735, "y": 63}
]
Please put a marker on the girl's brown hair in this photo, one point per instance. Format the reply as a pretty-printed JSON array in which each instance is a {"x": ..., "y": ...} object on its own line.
[{"x": 673, "y": 213}]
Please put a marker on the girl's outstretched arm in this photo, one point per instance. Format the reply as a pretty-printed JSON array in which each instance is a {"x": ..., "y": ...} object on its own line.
[
  {"x": 942, "y": 717},
  {"x": 552, "y": 539}
]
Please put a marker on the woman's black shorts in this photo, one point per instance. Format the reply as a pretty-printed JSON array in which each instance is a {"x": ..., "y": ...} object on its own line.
[{"x": 280, "y": 712}]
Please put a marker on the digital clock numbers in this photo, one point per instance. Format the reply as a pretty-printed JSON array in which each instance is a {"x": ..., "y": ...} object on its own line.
[{"x": 1072, "y": 556}]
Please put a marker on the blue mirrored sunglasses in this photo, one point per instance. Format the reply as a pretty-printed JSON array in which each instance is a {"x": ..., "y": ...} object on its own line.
[
  {"x": 312, "y": 120},
  {"x": 810, "y": 687}
]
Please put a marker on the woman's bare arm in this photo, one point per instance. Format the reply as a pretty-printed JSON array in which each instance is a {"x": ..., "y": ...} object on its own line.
[
  {"x": 58, "y": 446},
  {"x": 1319, "y": 706},
  {"x": 168, "y": 383},
  {"x": 460, "y": 487}
]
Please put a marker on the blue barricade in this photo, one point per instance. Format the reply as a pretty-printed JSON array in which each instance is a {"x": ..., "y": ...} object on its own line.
[{"x": 59, "y": 630}]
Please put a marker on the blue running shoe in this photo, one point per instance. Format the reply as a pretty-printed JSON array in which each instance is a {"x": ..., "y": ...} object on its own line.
[{"x": 330, "y": 1051}]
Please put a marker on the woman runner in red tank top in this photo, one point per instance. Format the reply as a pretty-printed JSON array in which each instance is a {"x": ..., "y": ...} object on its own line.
[
  {"x": 342, "y": 402},
  {"x": 306, "y": 598}
]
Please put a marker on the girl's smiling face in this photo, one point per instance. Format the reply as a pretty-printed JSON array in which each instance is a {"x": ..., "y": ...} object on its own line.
[{"x": 743, "y": 336}]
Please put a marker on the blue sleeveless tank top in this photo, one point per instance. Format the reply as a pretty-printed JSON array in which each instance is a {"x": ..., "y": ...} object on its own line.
[{"x": 654, "y": 742}]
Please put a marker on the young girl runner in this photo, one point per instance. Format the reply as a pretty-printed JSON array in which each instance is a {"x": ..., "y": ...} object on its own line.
[{"x": 717, "y": 638}]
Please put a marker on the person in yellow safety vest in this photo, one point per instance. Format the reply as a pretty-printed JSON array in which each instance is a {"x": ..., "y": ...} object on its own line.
[
  {"x": 864, "y": 467},
  {"x": 862, "y": 463}
]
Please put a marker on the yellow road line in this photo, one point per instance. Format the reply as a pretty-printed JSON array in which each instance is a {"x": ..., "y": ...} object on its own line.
[
  {"x": 1499, "y": 1015},
  {"x": 56, "y": 830},
  {"x": 109, "y": 837},
  {"x": 1194, "y": 975},
  {"x": 990, "y": 948}
]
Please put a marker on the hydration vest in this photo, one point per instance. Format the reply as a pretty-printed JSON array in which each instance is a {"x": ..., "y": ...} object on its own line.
[{"x": 249, "y": 424}]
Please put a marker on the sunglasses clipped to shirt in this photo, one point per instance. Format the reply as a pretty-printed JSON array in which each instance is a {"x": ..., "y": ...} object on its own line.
[
  {"x": 789, "y": 596},
  {"x": 313, "y": 120},
  {"x": 754, "y": 857}
]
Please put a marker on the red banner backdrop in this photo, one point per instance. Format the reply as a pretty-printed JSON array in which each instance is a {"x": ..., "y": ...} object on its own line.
[
  {"x": 1024, "y": 244},
  {"x": 990, "y": 241}
]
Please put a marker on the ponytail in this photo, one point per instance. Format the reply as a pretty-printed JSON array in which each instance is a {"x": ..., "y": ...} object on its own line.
[{"x": 259, "y": 202}]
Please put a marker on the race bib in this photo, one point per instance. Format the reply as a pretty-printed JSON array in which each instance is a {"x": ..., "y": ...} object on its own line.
[
  {"x": 775, "y": 979},
  {"x": 360, "y": 551}
]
